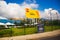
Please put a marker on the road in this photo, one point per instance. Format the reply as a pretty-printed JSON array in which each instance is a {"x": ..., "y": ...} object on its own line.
[{"x": 48, "y": 38}]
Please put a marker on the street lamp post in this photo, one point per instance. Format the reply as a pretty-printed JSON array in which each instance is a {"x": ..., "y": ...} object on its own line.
[
  {"x": 51, "y": 20},
  {"x": 57, "y": 18}
]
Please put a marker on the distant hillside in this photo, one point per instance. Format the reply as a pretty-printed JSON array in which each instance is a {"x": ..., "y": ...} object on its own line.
[{"x": 16, "y": 18}]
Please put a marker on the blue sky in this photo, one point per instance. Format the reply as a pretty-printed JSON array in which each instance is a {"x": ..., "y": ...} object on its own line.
[{"x": 43, "y": 4}]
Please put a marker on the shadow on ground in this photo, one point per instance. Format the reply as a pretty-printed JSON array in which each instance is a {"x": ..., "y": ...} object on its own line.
[{"x": 48, "y": 38}]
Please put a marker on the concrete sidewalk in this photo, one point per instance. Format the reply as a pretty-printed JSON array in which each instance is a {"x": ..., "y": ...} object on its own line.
[{"x": 33, "y": 36}]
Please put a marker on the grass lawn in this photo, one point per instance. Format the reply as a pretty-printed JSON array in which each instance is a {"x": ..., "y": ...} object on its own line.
[
  {"x": 31, "y": 30},
  {"x": 51, "y": 28},
  {"x": 22, "y": 31},
  {"x": 27, "y": 30}
]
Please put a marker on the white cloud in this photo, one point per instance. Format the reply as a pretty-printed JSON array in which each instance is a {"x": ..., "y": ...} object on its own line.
[
  {"x": 51, "y": 14},
  {"x": 12, "y": 10},
  {"x": 3, "y": 18},
  {"x": 32, "y": 5},
  {"x": 3, "y": 7},
  {"x": 30, "y": 1}
]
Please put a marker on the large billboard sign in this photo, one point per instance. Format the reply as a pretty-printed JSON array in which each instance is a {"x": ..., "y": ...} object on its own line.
[{"x": 32, "y": 13}]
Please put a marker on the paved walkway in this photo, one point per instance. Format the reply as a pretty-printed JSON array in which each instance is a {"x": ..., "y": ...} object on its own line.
[{"x": 33, "y": 36}]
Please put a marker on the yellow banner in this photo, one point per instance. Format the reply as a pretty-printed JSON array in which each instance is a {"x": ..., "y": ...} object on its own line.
[{"x": 32, "y": 13}]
